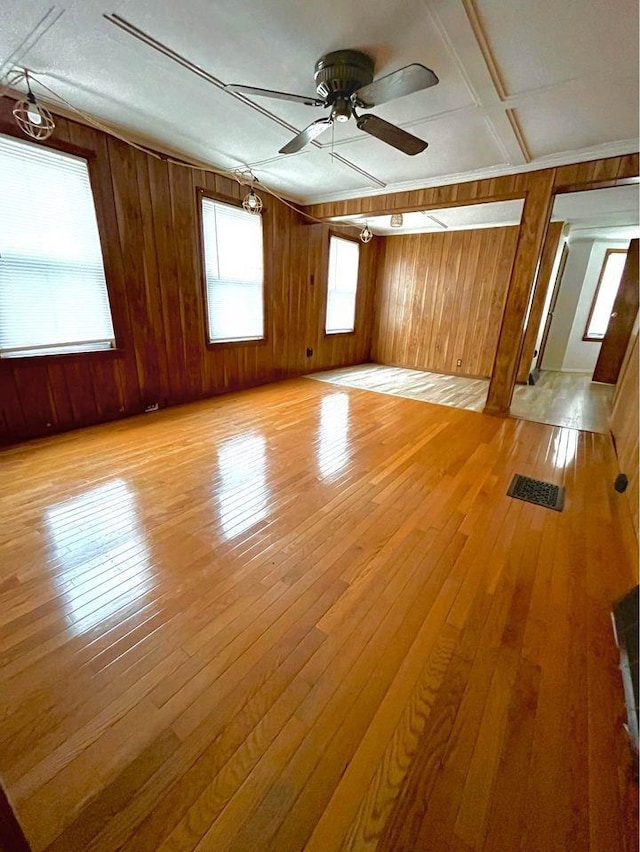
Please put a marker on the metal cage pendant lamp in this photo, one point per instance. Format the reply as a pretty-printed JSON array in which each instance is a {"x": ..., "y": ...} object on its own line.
[{"x": 32, "y": 117}]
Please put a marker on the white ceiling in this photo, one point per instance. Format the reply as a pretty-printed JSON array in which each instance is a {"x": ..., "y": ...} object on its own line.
[{"x": 522, "y": 85}]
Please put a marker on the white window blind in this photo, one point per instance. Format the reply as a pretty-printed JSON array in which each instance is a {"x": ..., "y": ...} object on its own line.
[
  {"x": 344, "y": 256},
  {"x": 53, "y": 292},
  {"x": 233, "y": 272}
]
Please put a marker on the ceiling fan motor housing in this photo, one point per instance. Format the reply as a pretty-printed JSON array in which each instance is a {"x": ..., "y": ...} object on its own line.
[{"x": 341, "y": 73}]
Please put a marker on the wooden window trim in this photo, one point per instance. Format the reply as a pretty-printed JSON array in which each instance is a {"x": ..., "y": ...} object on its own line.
[
  {"x": 341, "y": 236},
  {"x": 203, "y": 192},
  {"x": 585, "y": 336}
]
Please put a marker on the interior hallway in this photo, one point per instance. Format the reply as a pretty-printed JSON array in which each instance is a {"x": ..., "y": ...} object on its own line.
[
  {"x": 308, "y": 616},
  {"x": 558, "y": 399}
]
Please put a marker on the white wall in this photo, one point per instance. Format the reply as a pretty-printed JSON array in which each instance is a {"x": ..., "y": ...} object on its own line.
[
  {"x": 565, "y": 348},
  {"x": 566, "y": 304}
]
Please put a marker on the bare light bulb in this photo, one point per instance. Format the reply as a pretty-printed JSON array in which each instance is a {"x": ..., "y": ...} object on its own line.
[
  {"x": 341, "y": 110},
  {"x": 32, "y": 109},
  {"x": 252, "y": 202},
  {"x": 366, "y": 234}
]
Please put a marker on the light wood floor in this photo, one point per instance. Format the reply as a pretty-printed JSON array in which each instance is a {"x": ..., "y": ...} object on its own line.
[
  {"x": 308, "y": 617},
  {"x": 559, "y": 399}
]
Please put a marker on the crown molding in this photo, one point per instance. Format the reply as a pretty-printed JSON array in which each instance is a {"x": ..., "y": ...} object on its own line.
[{"x": 567, "y": 158}]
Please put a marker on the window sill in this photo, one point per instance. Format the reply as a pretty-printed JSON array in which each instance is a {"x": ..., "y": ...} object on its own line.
[
  {"x": 233, "y": 344},
  {"x": 342, "y": 333},
  {"x": 61, "y": 357}
]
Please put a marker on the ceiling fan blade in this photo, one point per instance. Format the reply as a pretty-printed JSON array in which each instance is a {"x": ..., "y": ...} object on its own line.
[
  {"x": 404, "y": 81},
  {"x": 307, "y": 135},
  {"x": 392, "y": 135},
  {"x": 270, "y": 93}
]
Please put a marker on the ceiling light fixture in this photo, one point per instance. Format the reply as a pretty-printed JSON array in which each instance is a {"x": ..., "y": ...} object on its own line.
[
  {"x": 365, "y": 234},
  {"x": 252, "y": 203},
  {"x": 33, "y": 118},
  {"x": 397, "y": 220}
]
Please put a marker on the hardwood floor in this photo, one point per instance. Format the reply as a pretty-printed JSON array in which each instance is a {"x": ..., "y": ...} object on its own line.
[
  {"x": 306, "y": 616},
  {"x": 565, "y": 399},
  {"x": 559, "y": 399}
]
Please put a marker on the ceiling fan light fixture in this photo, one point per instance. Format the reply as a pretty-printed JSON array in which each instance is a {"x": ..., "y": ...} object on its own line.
[
  {"x": 365, "y": 234},
  {"x": 33, "y": 118},
  {"x": 252, "y": 203},
  {"x": 341, "y": 110},
  {"x": 397, "y": 220}
]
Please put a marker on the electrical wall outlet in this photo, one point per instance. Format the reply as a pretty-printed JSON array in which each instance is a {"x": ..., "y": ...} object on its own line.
[{"x": 459, "y": 362}]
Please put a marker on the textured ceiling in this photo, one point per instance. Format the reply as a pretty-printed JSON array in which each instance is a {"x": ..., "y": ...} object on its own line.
[{"x": 521, "y": 85}]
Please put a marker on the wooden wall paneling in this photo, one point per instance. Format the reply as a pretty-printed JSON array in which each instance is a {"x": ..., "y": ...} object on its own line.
[
  {"x": 441, "y": 297},
  {"x": 316, "y": 298},
  {"x": 462, "y": 333},
  {"x": 470, "y": 192},
  {"x": 107, "y": 390},
  {"x": 549, "y": 251},
  {"x": 588, "y": 175},
  {"x": 533, "y": 228},
  {"x": 78, "y": 375},
  {"x": 625, "y": 427},
  {"x": 131, "y": 236},
  {"x": 487, "y": 189},
  {"x": 12, "y": 418},
  {"x": 190, "y": 348},
  {"x": 124, "y": 367},
  {"x": 157, "y": 386},
  {"x": 164, "y": 237},
  {"x": 30, "y": 380},
  {"x": 59, "y": 394},
  {"x": 497, "y": 250}
]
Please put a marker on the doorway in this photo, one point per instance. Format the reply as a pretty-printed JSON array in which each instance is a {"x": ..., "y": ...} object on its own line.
[{"x": 587, "y": 229}]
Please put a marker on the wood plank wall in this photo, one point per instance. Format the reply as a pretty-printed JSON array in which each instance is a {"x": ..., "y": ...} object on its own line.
[
  {"x": 537, "y": 188},
  {"x": 440, "y": 298},
  {"x": 625, "y": 426},
  {"x": 147, "y": 209}
]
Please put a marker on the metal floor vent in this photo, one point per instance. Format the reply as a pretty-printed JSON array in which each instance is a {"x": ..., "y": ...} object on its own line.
[{"x": 538, "y": 492}]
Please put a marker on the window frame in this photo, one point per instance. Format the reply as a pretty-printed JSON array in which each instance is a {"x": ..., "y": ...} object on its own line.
[
  {"x": 586, "y": 337},
  {"x": 201, "y": 193},
  {"x": 348, "y": 238},
  {"x": 104, "y": 205}
]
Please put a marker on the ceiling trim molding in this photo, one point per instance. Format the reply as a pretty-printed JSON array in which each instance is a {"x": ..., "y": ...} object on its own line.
[
  {"x": 453, "y": 53},
  {"x": 517, "y": 130},
  {"x": 473, "y": 16},
  {"x": 481, "y": 75},
  {"x": 569, "y": 158}
]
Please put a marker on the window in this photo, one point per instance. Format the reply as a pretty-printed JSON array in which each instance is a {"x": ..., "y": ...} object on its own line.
[
  {"x": 605, "y": 294},
  {"x": 233, "y": 272},
  {"x": 342, "y": 285},
  {"x": 53, "y": 292}
]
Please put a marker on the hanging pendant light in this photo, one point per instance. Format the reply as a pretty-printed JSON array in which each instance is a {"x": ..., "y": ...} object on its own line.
[
  {"x": 365, "y": 234},
  {"x": 33, "y": 118},
  {"x": 396, "y": 220},
  {"x": 252, "y": 203}
]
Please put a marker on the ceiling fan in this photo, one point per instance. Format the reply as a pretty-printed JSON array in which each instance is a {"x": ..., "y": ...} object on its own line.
[{"x": 345, "y": 84}]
